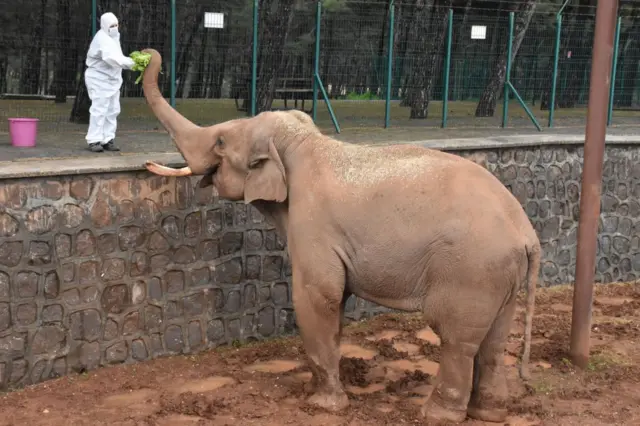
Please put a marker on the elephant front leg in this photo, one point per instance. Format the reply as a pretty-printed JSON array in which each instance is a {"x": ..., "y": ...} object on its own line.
[{"x": 317, "y": 301}]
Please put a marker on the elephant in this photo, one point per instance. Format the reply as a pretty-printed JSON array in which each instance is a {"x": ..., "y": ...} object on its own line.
[{"x": 405, "y": 227}]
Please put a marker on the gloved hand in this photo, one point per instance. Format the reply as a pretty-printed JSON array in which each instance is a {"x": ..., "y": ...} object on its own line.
[{"x": 128, "y": 63}]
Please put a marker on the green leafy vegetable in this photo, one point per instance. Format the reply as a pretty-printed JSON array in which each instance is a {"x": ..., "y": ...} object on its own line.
[{"x": 141, "y": 62}]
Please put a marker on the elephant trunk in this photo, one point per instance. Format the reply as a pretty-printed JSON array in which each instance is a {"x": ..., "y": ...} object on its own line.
[{"x": 185, "y": 134}]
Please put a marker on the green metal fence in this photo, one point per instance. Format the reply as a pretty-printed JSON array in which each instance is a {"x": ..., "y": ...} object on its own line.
[{"x": 374, "y": 63}]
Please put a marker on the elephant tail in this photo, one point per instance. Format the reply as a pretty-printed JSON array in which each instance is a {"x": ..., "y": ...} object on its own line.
[{"x": 533, "y": 255}]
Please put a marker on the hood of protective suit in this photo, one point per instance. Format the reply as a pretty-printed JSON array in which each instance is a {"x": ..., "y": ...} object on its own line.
[
  {"x": 106, "y": 21},
  {"x": 105, "y": 60}
]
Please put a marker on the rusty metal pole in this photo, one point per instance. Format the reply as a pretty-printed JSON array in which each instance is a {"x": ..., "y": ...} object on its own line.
[{"x": 592, "y": 180}]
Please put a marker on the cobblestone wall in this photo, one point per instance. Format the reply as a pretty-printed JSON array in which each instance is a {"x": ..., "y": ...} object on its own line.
[
  {"x": 547, "y": 182},
  {"x": 111, "y": 268}
]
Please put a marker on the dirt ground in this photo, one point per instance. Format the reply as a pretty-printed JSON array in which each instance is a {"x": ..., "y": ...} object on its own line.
[{"x": 387, "y": 367}]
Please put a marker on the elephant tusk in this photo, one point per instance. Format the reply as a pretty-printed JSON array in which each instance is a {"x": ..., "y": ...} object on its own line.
[{"x": 167, "y": 171}]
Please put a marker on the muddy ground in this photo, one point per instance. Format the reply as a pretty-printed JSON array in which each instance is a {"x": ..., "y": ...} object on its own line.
[{"x": 388, "y": 366}]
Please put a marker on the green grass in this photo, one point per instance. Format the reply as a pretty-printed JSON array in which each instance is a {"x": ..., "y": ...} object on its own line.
[
  {"x": 542, "y": 386},
  {"x": 604, "y": 360},
  {"x": 366, "y": 96}
]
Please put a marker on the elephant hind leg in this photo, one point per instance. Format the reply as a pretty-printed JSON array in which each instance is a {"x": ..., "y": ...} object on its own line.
[
  {"x": 489, "y": 394},
  {"x": 462, "y": 327},
  {"x": 448, "y": 401}
]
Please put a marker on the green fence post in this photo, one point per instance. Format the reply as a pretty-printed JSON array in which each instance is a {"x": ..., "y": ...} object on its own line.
[
  {"x": 316, "y": 61},
  {"x": 556, "y": 59},
  {"x": 614, "y": 69},
  {"x": 447, "y": 69},
  {"x": 254, "y": 60},
  {"x": 387, "y": 105},
  {"x": 317, "y": 81},
  {"x": 94, "y": 17},
  {"x": 524, "y": 106},
  {"x": 507, "y": 76},
  {"x": 173, "y": 53}
]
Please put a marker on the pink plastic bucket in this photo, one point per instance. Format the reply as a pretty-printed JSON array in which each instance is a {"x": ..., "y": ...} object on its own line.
[{"x": 23, "y": 131}]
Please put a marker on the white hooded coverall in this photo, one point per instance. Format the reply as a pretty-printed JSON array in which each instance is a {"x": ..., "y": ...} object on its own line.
[{"x": 103, "y": 78}]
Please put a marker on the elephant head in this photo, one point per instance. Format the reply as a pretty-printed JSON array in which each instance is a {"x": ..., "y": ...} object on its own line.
[{"x": 242, "y": 158}]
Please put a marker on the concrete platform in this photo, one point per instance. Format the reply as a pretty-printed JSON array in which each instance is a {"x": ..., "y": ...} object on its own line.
[{"x": 66, "y": 154}]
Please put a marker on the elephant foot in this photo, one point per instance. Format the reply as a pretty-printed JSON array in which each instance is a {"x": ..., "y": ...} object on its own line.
[
  {"x": 494, "y": 415},
  {"x": 488, "y": 405},
  {"x": 435, "y": 414},
  {"x": 333, "y": 402}
]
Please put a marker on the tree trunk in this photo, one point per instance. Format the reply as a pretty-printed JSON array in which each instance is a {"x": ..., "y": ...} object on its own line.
[
  {"x": 627, "y": 67},
  {"x": 139, "y": 19},
  {"x": 418, "y": 25},
  {"x": 341, "y": 84},
  {"x": 219, "y": 65},
  {"x": 3, "y": 74},
  {"x": 275, "y": 22},
  {"x": 465, "y": 18},
  {"x": 359, "y": 69},
  {"x": 488, "y": 100},
  {"x": 64, "y": 67},
  {"x": 185, "y": 57},
  {"x": 428, "y": 53},
  {"x": 494, "y": 52},
  {"x": 534, "y": 84},
  {"x": 45, "y": 84},
  {"x": 380, "y": 60},
  {"x": 629, "y": 75},
  {"x": 545, "y": 94},
  {"x": 74, "y": 67},
  {"x": 198, "y": 88},
  {"x": 403, "y": 37},
  {"x": 545, "y": 97},
  {"x": 458, "y": 41},
  {"x": 580, "y": 42},
  {"x": 81, "y": 105},
  {"x": 161, "y": 23},
  {"x": 30, "y": 73}
]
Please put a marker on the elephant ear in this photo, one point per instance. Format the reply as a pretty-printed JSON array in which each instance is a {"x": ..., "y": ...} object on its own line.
[{"x": 266, "y": 179}]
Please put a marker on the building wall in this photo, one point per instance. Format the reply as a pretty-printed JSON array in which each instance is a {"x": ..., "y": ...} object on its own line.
[{"x": 125, "y": 267}]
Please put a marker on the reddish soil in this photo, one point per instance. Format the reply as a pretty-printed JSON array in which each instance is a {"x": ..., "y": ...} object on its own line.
[{"x": 388, "y": 366}]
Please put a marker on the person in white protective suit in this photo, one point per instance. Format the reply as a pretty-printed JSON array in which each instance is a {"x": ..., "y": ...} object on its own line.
[{"x": 103, "y": 77}]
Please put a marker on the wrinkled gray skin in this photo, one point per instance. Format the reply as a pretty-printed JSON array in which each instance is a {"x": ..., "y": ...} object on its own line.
[{"x": 402, "y": 226}]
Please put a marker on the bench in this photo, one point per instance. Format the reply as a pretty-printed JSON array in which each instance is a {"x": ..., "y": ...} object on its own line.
[
  {"x": 23, "y": 97},
  {"x": 296, "y": 89}
]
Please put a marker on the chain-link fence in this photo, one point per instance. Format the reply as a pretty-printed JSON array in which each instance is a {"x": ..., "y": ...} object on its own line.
[{"x": 42, "y": 60}]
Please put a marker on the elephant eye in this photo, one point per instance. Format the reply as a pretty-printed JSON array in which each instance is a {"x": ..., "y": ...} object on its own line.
[
  {"x": 219, "y": 142},
  {"x": 255, "y": 163}
]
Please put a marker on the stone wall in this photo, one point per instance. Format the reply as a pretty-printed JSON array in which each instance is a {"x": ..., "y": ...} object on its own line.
[
  {"x": 547, "y": 182},
  {"x": 112, "y": 268}
]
